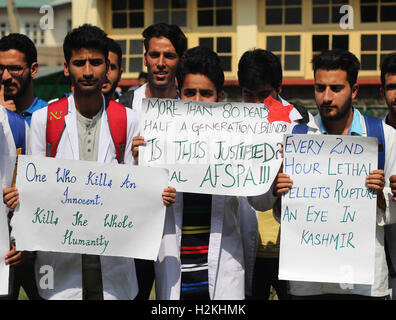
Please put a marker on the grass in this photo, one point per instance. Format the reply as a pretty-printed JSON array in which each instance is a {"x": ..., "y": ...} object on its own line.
[{"x": 22, "y": 295}]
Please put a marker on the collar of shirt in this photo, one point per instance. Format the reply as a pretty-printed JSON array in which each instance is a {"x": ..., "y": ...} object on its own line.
[
  {"x": 355, "y": 129},
  {"x": 386, "y": 119},
  {"x": 36, "y": 105}
]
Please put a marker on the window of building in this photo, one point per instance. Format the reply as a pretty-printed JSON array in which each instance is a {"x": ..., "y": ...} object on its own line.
[
  {"x": 327, "y": 11},
  {"x": 35, "y": 33},
  {"x": 374, "y": 48},
  {"x": 283, "y": 12},
  {"x": 132, "y": 58},
  {"x": 378, "y": 10},
  {"x": 214, "y": 13},
  {"x": 127, "y": 13},
  {"x": 325, "y": 42},
  {"x": 287, "y": 49},
  {"x": 4, "y": 29},
  {"x": 171, "y": 12},
  {"x": 223, "y": 47},
  {"x": 69, "y": 25}
]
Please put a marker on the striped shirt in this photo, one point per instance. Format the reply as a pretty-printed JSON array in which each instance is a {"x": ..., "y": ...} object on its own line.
[{"x": 195, "y": 245}]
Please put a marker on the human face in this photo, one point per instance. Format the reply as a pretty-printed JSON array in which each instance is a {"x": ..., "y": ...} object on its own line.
[
  {"x": 333, "y": 94},
  {"x": 198, "y": 87},
  {"x": 388, "y": 92},
  {"x": 260, "y": 94},
  {"x": 161, "y": 60},
  {"x": 87, "y": 69},
  {"x": 113, "y": 75},
  {"x": 16, "y": 83}
]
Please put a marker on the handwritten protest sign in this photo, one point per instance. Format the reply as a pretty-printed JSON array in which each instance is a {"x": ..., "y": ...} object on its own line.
[
  {"x": 215, "y": 148},
  {"x": 328, "y": 217},
  {"x": 89, "y": 207}
]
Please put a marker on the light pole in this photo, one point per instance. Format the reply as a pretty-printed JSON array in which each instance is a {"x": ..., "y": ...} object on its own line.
[{"x": 12, "y": 16}]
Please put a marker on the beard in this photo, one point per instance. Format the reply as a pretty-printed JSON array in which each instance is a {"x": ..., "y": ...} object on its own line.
[
  {"x": 111, "y": 90},
  {"x": 392, "y": 108},
  {"x": 341, "y": 113},
  {"x": 24, "y": 84}
]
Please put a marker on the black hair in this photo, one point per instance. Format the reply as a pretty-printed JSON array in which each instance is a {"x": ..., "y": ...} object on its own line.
[
  {"x": 142, "y": 74},
  {"x": 21, "y": 43},
  {"x": 114, "y": 47},
  {"x": 388, "y": 65},
  {"x": 338, "y": 59},
  {"x": 85, "y": 37},
  {"x": 172, "y": 32},
  {"x": 201, "y": 60},
  {"x": 259, "y": 67}
]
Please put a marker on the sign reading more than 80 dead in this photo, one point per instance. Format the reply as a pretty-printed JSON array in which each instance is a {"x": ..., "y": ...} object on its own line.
[{"x": 215, "y": 148}]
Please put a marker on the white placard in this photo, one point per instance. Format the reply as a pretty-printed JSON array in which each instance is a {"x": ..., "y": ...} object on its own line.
[
  {"x": 215, "y": 148},
  {"x": 89, "y": 207},
  {"x": 328, "y": 217}
]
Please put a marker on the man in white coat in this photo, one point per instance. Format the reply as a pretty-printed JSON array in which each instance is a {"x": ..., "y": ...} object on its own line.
[
  {"x": 201, "y": 255},
  {"x": 335, "y": 76},
  {"x": 86, "y": 136},
  {"x": 9, "y": 148},
  {"x": 388, "y": 93}
]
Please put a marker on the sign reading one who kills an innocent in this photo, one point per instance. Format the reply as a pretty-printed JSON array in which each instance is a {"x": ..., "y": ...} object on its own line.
[
  {"x": 328, "y": 217},
  {"x": 225, "y": 148},
  {"x": 89, "y": 207}
]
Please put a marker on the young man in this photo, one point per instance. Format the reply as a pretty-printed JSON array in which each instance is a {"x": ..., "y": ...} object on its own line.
[
  {"x": 206, "y": 274},
  {"x": 216, "y": 241},
  {"x": 18, "y": 67},
  {"x": 86, "y": 136},
  {"x": 335, "y": 76},
  {"x": 388, "y": 87},
  {"x": 13, "y": 139},
  {"x": 115, "y": 70},
  {"x": 260, "y": 75},
  {"x": 164, "y": 45},
  {"x": 388, "y": 93}
]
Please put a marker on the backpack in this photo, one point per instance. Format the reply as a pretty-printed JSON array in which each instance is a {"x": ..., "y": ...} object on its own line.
[
  {"x": 116, "y": 114},
  {"x": 127, "y": 99},
  {"x": 303, "y": 112},
  {"x": 17, "y": 125}
]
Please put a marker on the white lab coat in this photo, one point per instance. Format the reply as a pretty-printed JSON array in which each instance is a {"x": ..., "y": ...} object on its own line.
[
  {"x": 118, "y": 273},
  {"x": 226, "y": 267}
]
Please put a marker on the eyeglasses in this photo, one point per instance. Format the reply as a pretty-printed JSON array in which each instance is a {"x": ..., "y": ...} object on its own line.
[{"x": 14, "y": 70}]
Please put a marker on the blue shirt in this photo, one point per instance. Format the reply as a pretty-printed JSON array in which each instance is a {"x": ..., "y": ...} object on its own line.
[
  {"x": 36, "y": 105},
  {"x": 355, "y": 129}
]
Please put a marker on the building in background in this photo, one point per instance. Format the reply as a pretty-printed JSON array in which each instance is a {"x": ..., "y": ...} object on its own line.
[
  {"x": 49, "y": 41},
  {"x": 293, "y": 29}
]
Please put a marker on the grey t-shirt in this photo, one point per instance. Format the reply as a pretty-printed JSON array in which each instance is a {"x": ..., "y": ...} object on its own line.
[{"x": 88, "y": 136}]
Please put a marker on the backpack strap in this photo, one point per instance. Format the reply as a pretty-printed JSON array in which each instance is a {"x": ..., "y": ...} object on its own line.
[
  {"x": 375, "y": 129},
  {"x": 55, "y": 125},
  {"x": 18, "y": 129},
  {"x": 303, "y": 112},
  {"x": 127, "y": 99},
  {"x": 300, "y": 128},
  {"x": 116, "y": 114}
]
